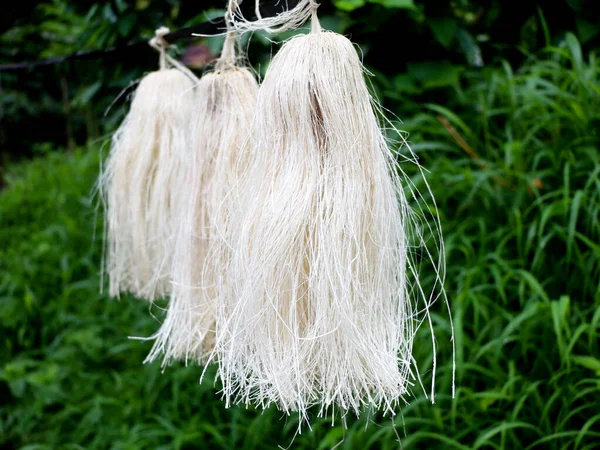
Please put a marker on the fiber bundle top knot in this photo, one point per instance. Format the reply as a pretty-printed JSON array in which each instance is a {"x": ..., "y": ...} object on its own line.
[{"x": 159, "y": 43}]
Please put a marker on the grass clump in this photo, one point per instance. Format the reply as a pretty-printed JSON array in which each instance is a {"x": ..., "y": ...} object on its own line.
[{"x": 515, "y": 167}]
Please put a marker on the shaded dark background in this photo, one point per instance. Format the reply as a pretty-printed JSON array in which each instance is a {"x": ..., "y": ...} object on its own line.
[{"x": 64, "y": 104}]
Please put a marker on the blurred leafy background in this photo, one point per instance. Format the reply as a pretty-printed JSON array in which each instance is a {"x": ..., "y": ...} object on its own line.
[{"x": 501, "y": 100}]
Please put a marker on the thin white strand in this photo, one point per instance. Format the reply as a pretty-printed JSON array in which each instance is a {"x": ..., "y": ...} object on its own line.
[{"x": 289, "y": 19}]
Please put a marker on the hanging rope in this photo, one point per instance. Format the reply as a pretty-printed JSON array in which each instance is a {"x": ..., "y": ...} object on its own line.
[{"x": 214, "y": 27}]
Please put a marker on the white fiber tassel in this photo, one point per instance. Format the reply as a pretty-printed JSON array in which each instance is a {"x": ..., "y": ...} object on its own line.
[
  {"x": 319, "y": 311},
  {"x": 226, "y": 102},
  {"x": 142, "y": 180}
]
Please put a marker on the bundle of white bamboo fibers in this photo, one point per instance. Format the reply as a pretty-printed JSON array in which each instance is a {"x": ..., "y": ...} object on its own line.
[
  {"x": 316, "y": 310},
  {"x": 226, "y": 102},
  {"x": 288, "y": 19},
  {"x": 142, "y": 179}
]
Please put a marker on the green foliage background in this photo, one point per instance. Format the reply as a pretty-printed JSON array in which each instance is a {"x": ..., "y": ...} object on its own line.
[{"x": 505, "y": 119}]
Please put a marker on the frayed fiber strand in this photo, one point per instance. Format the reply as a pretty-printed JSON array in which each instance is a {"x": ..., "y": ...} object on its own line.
[{"x": 289, "y": 19}]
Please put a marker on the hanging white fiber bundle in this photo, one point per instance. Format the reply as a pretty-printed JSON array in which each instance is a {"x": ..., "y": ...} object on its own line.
[
  {"x": 226, "y": 101},
  {"x": 319, "y": 310},
  {"x": 142, "y": 180}
]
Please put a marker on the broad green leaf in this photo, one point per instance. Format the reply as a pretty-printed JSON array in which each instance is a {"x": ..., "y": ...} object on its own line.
[
  {"x": 86, "y": 94},
  {"x": 435, "y": 74},
  {"x": 444, "y": 29},
  {"x": 349, "y": 5},
  {"x": 406, "y": 4},
  {"x": 575, "y": 50},
  {"x": 589, "y": 362},
  {"x": 586, "y": 30}
]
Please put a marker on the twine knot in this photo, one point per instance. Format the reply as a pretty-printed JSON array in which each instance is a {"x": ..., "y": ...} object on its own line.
[
  {"x": 315, "y": 24},
  {"x": 159, "y": 43}
]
